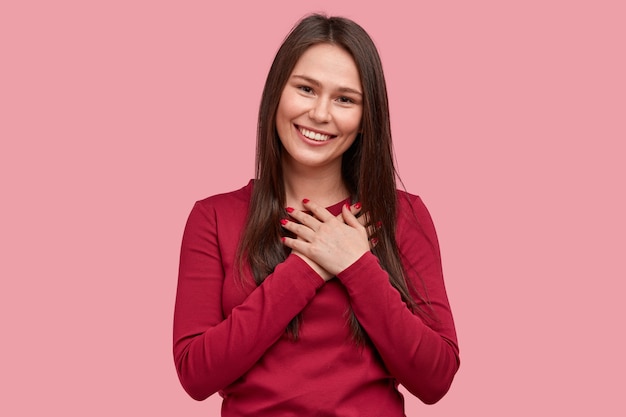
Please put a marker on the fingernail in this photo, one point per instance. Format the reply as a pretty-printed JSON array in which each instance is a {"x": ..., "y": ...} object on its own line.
[
  {"x": 379, "y": 224},
  {"x": 282, "y": 239},
  {"x": 347, "y": 205},
  {"x": 357, "y": 205},
  {"x": 283, "y": 221},
  {"x": 374, "y": 241},
  {"x": 289, "y": 209},
  {"x": 305, "y": 200}
]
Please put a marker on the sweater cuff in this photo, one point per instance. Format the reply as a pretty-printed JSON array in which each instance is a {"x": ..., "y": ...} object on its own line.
[
  {"x": 368, "y": 262},
  {"x": 302, "y": 269}
]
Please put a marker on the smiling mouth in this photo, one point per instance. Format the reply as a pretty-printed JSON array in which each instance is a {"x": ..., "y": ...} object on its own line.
[{"x": 316, "y": 136}]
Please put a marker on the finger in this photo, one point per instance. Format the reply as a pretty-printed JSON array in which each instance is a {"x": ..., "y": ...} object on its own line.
[
  {"x": 301, "y": 231},
  {"x": 350, "y": 219},
  {"x": 318, "y": 211},
  {"x": 364, "y": 219},
  {"x": 354, "y": 209},
  {"x": 304, "y": 218},
  {"x": 293, "y": 244},
  {"x": 372, "y": 229},
  {"x": 297, "y": 247}
]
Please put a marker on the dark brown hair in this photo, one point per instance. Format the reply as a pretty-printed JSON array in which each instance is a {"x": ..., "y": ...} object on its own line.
[{"x": 367, "y": 166}]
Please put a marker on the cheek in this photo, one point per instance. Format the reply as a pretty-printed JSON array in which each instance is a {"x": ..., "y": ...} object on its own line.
[
  {"x": 282, "y": 116},
  {"x": 355, "y": 122},
  {"x": 283, "y": 122},
  {"x": 286, "y": 112}
]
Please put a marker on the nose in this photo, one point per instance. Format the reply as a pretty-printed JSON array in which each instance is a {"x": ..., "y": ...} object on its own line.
[{"x": 320, "y": 111}]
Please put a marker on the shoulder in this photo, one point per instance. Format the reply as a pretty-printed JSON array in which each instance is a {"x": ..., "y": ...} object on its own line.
[
  {"x": 232, "y": 197},
  {"x": 231, "y": 201},
  {"x": 413, "y": 216},
  {"x": 411, "y": 204},
  {"x": 230, "y": 207}
]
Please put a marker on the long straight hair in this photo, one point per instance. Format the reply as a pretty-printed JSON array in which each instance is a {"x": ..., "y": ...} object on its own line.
[{"x": 367, "y": 166}]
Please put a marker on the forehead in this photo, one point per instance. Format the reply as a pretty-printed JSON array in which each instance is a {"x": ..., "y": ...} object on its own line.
[{"x": 328, "y": 63}]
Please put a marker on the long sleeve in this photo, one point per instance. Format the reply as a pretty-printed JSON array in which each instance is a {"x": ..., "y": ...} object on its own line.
[
  {"x": 422, "y": 356},
  {"x": 210, "y": 350}
]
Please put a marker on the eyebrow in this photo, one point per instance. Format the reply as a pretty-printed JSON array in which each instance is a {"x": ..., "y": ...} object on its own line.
[{"x": 318, "y": 84}]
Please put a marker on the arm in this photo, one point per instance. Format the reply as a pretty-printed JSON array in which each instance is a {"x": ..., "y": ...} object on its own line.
[
  {"x": 212, "y": 351},
  {"x": 422, "y": 357}
]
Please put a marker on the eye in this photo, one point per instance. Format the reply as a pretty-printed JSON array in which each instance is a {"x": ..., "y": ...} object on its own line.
[
  {"x": 305, "y": 89},
  {"x": 345, "y": 100}
]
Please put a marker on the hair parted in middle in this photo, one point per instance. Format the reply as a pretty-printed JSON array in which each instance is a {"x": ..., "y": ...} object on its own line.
[{"x": 367, "y": 166}]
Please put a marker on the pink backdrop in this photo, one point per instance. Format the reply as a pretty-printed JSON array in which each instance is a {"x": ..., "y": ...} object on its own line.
[{"x": 509, "y": 121}]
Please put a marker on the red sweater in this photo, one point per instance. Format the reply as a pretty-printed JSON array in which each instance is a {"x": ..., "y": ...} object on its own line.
[{"x": 231, "y": 338}]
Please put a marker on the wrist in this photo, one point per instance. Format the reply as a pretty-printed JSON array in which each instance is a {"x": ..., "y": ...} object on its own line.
[{"x": 324, "y": 274}]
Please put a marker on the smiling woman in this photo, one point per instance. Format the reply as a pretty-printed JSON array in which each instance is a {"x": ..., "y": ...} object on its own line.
[
  {"x": 319, "y": 113},
  {"x": 317, "y": 288}
]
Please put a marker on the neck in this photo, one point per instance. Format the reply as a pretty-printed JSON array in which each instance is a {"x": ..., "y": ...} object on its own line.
[{"x": 323, "y": 185}]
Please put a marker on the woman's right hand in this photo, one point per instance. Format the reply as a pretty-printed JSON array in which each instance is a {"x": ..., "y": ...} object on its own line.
[{"x": 323, "y": 273}]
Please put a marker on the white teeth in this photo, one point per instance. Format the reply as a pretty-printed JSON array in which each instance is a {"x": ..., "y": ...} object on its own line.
[{"x": 315, "y": 136}]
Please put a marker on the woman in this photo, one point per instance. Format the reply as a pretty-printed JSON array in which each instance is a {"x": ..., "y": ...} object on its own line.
[{"x": 317, "y": 288}]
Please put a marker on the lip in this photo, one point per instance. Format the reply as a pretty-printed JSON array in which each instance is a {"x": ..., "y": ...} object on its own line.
[{"x": 312, "y": 141}]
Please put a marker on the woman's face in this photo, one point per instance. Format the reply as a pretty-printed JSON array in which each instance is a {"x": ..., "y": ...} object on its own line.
[{"x": 320, "y": 109}]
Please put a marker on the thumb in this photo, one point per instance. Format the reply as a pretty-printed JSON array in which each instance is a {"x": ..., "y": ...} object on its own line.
[{"x": 348, "y": 214}]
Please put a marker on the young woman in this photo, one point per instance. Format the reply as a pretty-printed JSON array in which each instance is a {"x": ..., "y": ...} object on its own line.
[{"x": 317, "y": 288}]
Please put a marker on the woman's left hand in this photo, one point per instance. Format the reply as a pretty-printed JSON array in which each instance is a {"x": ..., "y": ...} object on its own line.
[{"x": 333, "y": 242}]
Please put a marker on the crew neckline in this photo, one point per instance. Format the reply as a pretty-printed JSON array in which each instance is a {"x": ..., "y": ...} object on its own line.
[{"x": 335, "y": 209}]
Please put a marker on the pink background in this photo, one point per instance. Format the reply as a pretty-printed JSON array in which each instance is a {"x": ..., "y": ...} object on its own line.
[{"x": 509, "y": 121}]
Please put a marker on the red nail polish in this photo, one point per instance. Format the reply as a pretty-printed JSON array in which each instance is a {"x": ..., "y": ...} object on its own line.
[
  {"x": 289, "y": 209},
  {"x": 374, "y": 241},
  {"x": 305, "y": 200},
  {"x": 357, "y": 205},
  {"x": 282, "y": 239},
  {"x": 379, "y": 224},
  {"x": 283, "y": 221},
  {"x": 347, "y": 205}
]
